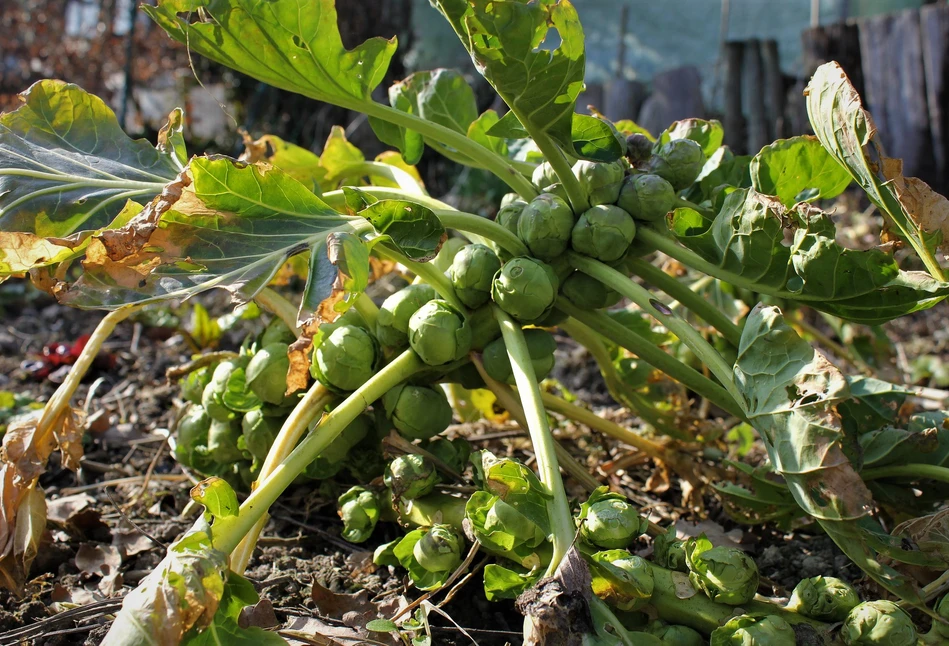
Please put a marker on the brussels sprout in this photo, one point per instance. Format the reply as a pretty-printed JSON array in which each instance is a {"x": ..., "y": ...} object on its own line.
[
  {"x": 544, "y": 226},
  {"x": 638, "y": 148},
  {"x": 669, "y": 552},
  {"x": 646, "y": 197},
  {"x": 754, "y": 630},
  {"x": 266, "y": 373},
  {"x": 410, "y": 476},
  {"x": 194, "y": 383},
  {"x": 525, "y": 288},
  {"x": 940, "y": 630},
  {"x": 509, "y": 214},
  {"x": 600, "y": 180},
  {"x": 439, "y": 550},
  {"x": 540, "y": 346},
  {"x": 587, "y": 292},
  {"x": 392, "y": 323},
  {"x": 621, "y": 579},
  {"x": 454, "y": 452},
  {"x": 679, "y": 162},
  {"x": 878, "y": 623},
  {"x": 192, "y": 432},
  {"x": 673, "y": 635},
  {"x": 213, "y": 394},
  {"x": 418, "y": 412},
  {"x": 385, "y": 554},
  {"x": 824, "y": 598},
  {"x": 510, "y": 198},
  {"x": 359, "y": 509},
  {"x": 222, "y": 441},
  {"x": 366, "y": 460},
  {"x": 484, "y": 327},
  {"x": 466, "y": 376},
  {"x": 504, "y": 530},
  {"x": 471, "y": 273},
  {"x": 439, "y": 333},
  {"x": 725, "y": 574},
  {"x": 333, "y": 458},
  {"x": 639, "y": 247},
  {"x": 603, "y": 232},
  {"x": 259, "y": 432},
  {"x": 557, "y": 190},
  {"x": 276, "y": 332},
  {"x": 349, "y": 317},
  {"x": 446, "y": 255},
  {"x": 544, "y": 175},
  {"x": 346, "y": 359},
  {"x": 609, "y": 521}
]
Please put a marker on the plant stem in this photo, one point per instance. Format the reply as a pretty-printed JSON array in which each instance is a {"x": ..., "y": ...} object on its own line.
[
  {"x": 681, "y": 328},
  {"x": 485, "y": 158},
  {"x": 367, "y": 309},
  {"x": 561, "y": 520},
  {"x": 914, "y": 471},
  {"x": 427, "y": 272},
  {"x": 688, "y": 299},
  {"x": 290, "y": 433},
  {"x": 557, "y": 161},
  {"x": 227, "y": 532},
  {"x": 657, "y": 358},
  {"x": 392, "y": 173},
  {"x": 279, "y": 306}
]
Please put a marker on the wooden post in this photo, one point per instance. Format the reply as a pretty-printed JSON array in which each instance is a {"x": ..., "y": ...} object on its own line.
[
  {"x": 734, "y": 121},
  {"x": 934, "y": 23},
  {"x": 775, "y": 93},
  {"x": 753, "y": 84},
  {"x": 837, "y": 42}
]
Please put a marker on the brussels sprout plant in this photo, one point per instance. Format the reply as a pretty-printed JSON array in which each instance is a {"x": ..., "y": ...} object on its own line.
[{"x": 360, "y": 393}]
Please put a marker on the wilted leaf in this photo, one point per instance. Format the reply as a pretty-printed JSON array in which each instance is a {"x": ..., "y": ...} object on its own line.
[
  {"x": 630, "y": 127},
  {"x": 171, "y": 138},
  {"x": 299, "y": 163},
  {"x": 930, "y": 534},
  {"x": 798, "y": 170},
  {"x": 17, "y": 550},
  {"x": 874, "y": 403},
  {"x": 707, "y": 134}
]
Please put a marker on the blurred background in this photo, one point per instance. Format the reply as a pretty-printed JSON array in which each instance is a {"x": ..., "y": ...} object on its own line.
[{"x": 745, "y": 62}]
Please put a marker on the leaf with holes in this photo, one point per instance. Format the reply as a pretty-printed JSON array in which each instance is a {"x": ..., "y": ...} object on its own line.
[{"x": 798, "y": 170}]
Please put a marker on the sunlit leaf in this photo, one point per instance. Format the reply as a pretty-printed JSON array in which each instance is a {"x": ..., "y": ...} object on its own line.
[
  {"x": 413, "y": 228},
  {"x": 299, "y": 163},
  {"x": 595, "y": 139},
  {"x": 217, "y": 496},
  {"x": 707, "y": 134},
  {"x": 798, "y": 170}
]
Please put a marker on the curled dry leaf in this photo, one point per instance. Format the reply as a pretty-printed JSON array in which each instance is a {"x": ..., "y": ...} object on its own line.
[
  {"x": 20, "y": 548},
  {"x": 557, "y": 608}
]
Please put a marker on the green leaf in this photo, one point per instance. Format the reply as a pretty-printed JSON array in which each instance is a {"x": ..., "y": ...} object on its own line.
[
  {"x": 507, "y": 581},
  {"x": 381, "y": 626},
  {"x": 339, "y": 272},
  {"x": 217, "y": 496},
  {"x": 595, "y": 139},
  {"x": 708, "y": 134},
  {"x": 746, "y": 244},
  {"x": 508, "y": 127},
  {"x": 422, "y": 578},
  {"x": 480, "y": 128},
  {"x": 225, "y": 224},
  {"x": 226, "y": 632},
  {"x": 299, "y": 163},
  {"x": 338, "y": 155},
  {"x": 874, "y": 403},
  {"x": 66, "y": 166},
  {"x": 237, "y": 396},
  {"x": 411, "y": 227},
  {"x": 203, "y": 329},
  {"x": 798, "y": 170},
  {"x": 504, "y": 38},
  {"x": 629, "y": 127},
  {"x": 791, "y": 394},
  {"x": 846, "y": 130},
  {"x": 766, "y": 501}
]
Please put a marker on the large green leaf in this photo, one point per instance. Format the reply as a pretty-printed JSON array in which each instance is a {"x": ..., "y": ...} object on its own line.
[
  {"x": 224, "y": 224},
  {"x": 746, "y": 245},
  {"x": 67, "y": 166},
  {"x": 504, "y": 38},
  {"x": 847, "y": 132},
  {"x": 798, "y": 170},
  {"x": 791, "y": 396}
]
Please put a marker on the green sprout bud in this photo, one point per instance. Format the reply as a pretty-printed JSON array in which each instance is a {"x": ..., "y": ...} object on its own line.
[
  {"x": 600, "y": 180},
  {"x": 439, "y": 333},
  {"x": 471, "y": 274},
  {"x": 754, "y": 630},
  {"x": 540, "y": 345},
  {"x": 392, "y": 323},
  {"x": 454, "y": 452},
  {"x": 525, "y": 288},
  {"x": 609, "y": 521},
  {"x": 193, "y": 385},
  {"x": 587, "y": 292},
  {"x": 509, "y": 198},
  {"x": 266, "y": 373},
  {"x": 939, "y": 629},
  {"x": 276, "y": 332},
  {"x": 544, "y": 226},
  {"x": 259, "y": 433},
  {"x": 621, "y": 579},
  {"x": 222, "y": 441},
  {"x": 638, "y": 148},
  {"x": 878, "y": 623},
  {"x": 509, "y": 214},
  {"x": 484, "y": 327},
  {"x": 446, "y": 254},
  {"x": 679, "y": 162},
  {"x": 417, "y": 412},
  {"x": 824, "y": 598},
  {"x": 669, "y": 551},
  {"x": 439, "y": 550},
  {"x": 725, "y": 574},
  {"x": 359, "y": 508},
  {"x": 212, "y": 397},
  {"x": 544, "y": 175},
  {"x": 557, "y": 190},
  {"x": 346, "y": 359},
  {"x": 673, "y": 635},
  {"x": 646, "y": 197},
  {"x": 410, "y": 476},
  {"x": 333, "y": 458},
  {"x": 603, "y": 232},
  {"x": 192, "y": 432}
]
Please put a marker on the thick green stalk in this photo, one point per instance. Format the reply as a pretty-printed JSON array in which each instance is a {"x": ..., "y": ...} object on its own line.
[
  {"x": 681, "y": 328},
  {"x": 681, "y": 201},
  {"x": 605, "y": 326},
  {"x": 392, "y": 173},
  {"x": 438, "y": 507},
  {"x": 484, "y": 157},
  {"x": 914, "y": 471},
  {"x": 688, "y": 299},
  {"x": 279, "y": 306},
  {"x": 561, "y": 520},
  {"x": 228, "y": 532},
  {"x": 558, "y": 161},
  {"x": 427, "y": 272},
  {"x": 367, "y": 309}
]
